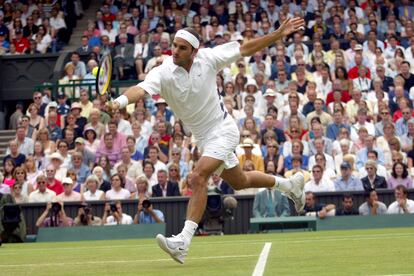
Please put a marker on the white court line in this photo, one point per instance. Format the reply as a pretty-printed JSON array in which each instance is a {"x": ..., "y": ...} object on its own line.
[
  {"x": 122, "y": 261},
  {"x": 261, "y": 263},
  {"x": 202, "y": 243}
]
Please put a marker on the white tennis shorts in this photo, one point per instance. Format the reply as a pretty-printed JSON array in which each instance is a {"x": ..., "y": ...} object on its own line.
[{"x": 221, "y": 144}]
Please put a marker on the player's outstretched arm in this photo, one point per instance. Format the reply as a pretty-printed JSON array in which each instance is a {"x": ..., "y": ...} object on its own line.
[
  {"x": 288, "y": 26},
  {"x": 132, "y": 95}
]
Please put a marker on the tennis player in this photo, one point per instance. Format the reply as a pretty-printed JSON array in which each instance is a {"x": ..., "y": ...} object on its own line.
[{"x": 187, "y": 81}]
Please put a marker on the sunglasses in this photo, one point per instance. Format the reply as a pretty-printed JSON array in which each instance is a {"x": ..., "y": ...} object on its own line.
[{"x": 245, "y": 136}]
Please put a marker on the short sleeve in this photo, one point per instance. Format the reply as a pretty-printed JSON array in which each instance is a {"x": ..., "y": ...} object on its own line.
[
  {"x": 152, "y": 82},
  {"x": 223, "y": 55}
]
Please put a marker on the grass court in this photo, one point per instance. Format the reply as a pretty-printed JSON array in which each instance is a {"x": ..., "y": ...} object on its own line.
[{"x": 357, "y": 252}]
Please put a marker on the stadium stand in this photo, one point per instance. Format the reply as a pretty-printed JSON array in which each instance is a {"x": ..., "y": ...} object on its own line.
[{"x": 334, "y": 100}]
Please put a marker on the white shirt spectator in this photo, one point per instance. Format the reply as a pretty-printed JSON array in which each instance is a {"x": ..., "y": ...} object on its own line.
[
  {"x": 395, "y": 208},
  {"x": 37, "y": 196},
  {"x": 330, "y": 164},
  {"x": 324, "y": 185},
  {"x": 125, "y": 127},
  {"x": 95, "y": 196},
  {"x": 355, "y": 127},
  {"x": 126, "y": 219},
  {"x": 57, "y": 23},
  {"x": 114, "y": 195}
]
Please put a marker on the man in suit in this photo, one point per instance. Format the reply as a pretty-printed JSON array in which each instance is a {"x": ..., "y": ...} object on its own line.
[
  {"x": 124, "y": 56},
  {"x": 85, "y": 49},
  {"x": 373, "y": 181},
  {"x": 165, "y": 187},
  {"x": 270, "y": 203}
]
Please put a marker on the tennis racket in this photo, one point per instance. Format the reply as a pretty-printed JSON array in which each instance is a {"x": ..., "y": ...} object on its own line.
[{"x": 103, "y": 77}]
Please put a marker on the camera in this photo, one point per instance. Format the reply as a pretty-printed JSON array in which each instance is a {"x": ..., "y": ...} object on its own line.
[
  {"x": 146, "y": 204},
  {"x": 56, "y": 207},
  {"x": 113, "y": 207}
]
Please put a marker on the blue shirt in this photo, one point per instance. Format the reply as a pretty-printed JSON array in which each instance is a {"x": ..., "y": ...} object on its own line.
[
  {"x": 332, "y": 130},
  {"x": 362, "y": 157},
  {"x": 146, "y": 218},
  {"x": 289, "y": 165},
  {"x": 353, "y": 184},
  {"x": 55, "y": 133},
  {"x": 82, "y": 173},
  {"x": 401, "y": 126}
]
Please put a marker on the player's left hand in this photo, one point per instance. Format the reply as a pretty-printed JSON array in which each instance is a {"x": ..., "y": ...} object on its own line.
[{"x": 292, "y": 25}]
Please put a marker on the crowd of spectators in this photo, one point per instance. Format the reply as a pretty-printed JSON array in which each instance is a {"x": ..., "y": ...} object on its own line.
[
  {"x": 333, "y": 101},
  {"x": 37, "y": 27}
]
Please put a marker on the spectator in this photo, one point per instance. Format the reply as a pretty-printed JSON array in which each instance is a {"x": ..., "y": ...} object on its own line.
[
  {"x": 347, "y": 207},
  {"x": 14, "y": 154},
  {"x": 86, "y": 217},
  {"x": 54, "y": 130},
  {"x": 347, "y": 181},
  {"x": 68, "y": 194},
  {"x": 82, "y": 171},
  {"x": 20, "y": 42},
  {"x": 88, "y": 157},
  {"x": 117, "y": 190},
  {"x": 124, "y": 56},
  {"x": 103, "y": 184},
  {"x": 147, "y": 214},
  {"x": 108, "y": 150},
  {"x": 401, "y": 205},
  {"x": 297, "y": 150},
  {"x": 248, "y": 145},
  {"x": 373, "y": 181},
  {"x": 270, "y": 203},
  {"x": 113, "y": 215},
  {"x": 218, "y": 182},
  {"x": 165, "y": 188},
  {"x": 128, "y": 183},
  {"x": 17, "y": 194},
  {"x": 142, "y": 188},
  {"x": 42, "y": 193},
  {"x": 52, "y": 183},
  {"x": 314, "y": 209},
  {"x": 319, "y": 183},
  {"x": 94, "y": 123},
  {"x": 16, "y": 116},
  {"x": 68, "y": 78},
  {"x": 57, "y": 216},
  {"x": 372, "y": 206},
  {"x": 399, "y": 176},
  {"x": 8, "y": 167},
  {"x": 362, "y": 154},
  {"x": 80, "y": 67},
  {"x": 20, "y": 176},
  {"x": 90, "y": 189},
  {"x": 91, "y": 143}
]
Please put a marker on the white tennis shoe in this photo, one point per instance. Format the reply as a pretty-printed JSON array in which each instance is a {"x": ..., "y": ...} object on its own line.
[
  {"x": 296, "y": 193},
  {"x": 175, "y": 246}
]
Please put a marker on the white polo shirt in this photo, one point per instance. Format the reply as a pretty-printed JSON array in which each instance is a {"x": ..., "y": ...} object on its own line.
[
  {"x": 395, "y": 208},
  {"x": 193, "y": 96},
  {"x": 37, "y": 196}
]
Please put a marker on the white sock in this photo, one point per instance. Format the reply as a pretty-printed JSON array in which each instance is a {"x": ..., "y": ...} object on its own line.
[
  {"x": 188, "y": 231},
  {"x": 283, "y": 184}
]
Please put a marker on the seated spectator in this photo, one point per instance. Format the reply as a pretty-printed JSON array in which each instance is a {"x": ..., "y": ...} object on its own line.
[
  {"x": 362, "y": 154},
  {"x": 134, "y": 168},
  {"x": 319, "y": 144},
  {"x": 52, "y": 183},
  {"x": 14, "y": 154},
  {"x": 347, "y": 206},
  {"x": 153, "y": 154},
  {"x": 147, "y": 214},
  {"x": 399, "y": 176},
  {"x": 108, "y": 150},
  {"x": 297, "y": 150},
  {"x": 63, "y": 150},
  {"x": 17, "y": 193},
  {"x": 314, "y": 209},
  {"x": 68, "y": 78},
  {"x": 117, "y": 191},
  {"x": 373, "y": 181},
  {"x": 103, "y": 185},
  {"x": 124, "y": 56},
  {"x": 401, "y": 205},
  {"x": 149, "y": 172},
  {"x": 113, "y": 215},
  {"x": 82, "y": 171},
  {"x": 90, "y": 189},
  {"x": 86, "y": 217},
  {"x": 318, "y": 183},
  {"x": 88, "y": 157},
  {"x": 68, "y": 194},
  {"x": 142, "y": 187},
  {"x": 8, "y": 169},
  {"x": 217, "y": 181},
  {"x": 90, "y": 135},
  {"x": 133, "y": 152},
  {"x": 318, "y": 132},
  {"x": 165, "y": 188},
  {"x": 248, "y": 145},
  {"x": 372, "y": 206},
  {"x": 128, "y": 183},
  {"x": 327, "y": 173},
  {"x": 346, "y": 181},
  {"x": 297, "y": 167},
  {"x": 270, "y": 203},
  {"x": 381, "y": 170},
  {"x": 57, "y": 216},
  {"x": 42, "y": 193},
  {"x": 20, "y": 176}
]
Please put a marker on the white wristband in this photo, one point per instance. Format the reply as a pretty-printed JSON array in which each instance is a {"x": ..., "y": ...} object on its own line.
[{"x": 122, "y": 101}]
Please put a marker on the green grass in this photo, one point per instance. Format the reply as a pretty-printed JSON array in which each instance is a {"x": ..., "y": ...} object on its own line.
[{"x": 362, "y": 252}]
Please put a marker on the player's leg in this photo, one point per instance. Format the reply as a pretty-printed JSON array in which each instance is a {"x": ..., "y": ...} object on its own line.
[
  {"x": 292, "y": 187},
  {"x": 177, "y": 246}
]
